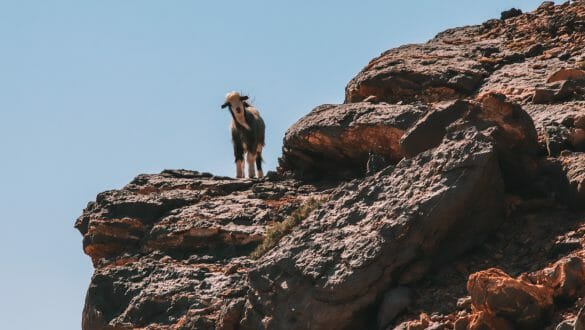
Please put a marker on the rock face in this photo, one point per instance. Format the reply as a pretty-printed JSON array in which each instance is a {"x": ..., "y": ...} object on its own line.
[
  {"x": 454, "y": 185},
  {"x": 386, "y": 230},
  {"x": 172, "y": 249}
]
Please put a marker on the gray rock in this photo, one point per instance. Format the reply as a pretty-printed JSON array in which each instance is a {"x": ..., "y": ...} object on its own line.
[
  {"x": 580, "y": 320},
  {"x": 566, "y": 325},
  {"x": 556, "y": 138},
  {"x": 510, "y": 13},
  {"x": 573, "y": 167},
  {"x": 375, "y": 163},
  {"x": 394, "y": 302},
  {"x": 464, "y": 303}
]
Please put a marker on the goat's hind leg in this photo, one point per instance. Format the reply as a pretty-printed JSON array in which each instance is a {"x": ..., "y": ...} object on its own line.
[{"x": 259, "y": 162}]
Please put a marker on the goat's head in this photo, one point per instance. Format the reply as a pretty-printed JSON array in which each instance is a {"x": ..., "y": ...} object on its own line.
[
  {"x": 236, "y": 102},
  {"x": 237, "y": 105}
]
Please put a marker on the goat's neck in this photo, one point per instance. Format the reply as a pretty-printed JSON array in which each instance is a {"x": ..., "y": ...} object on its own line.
[{"x": 240, "y": 119}]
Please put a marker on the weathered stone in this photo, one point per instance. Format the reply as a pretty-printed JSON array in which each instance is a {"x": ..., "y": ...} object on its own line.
[
  {"x": 170, "y": 250},
  {"x": 566, "y": 277},
  {"x": 429, "y": 131},
  {"x": 556, "y": 138},
  {"x": 394, "y": 302},
  {"x": 340, "y": 137},
  {"x": 464, "y": 303},
  {"x": 567, "y": 74},
  {"x": 511, "y": 127},
  {"x": 580, "y": 320},
  {"x": 429, "y": 72},
  {"x": 143, "y": 291},
  {"x": 577, "y": 139},
  {"x": 231, "y": 315},
  {"x": 574, "y": 170},
  {"x": 566, "y": 325},
  {"x": 510, "y": 13},
  {"x": 522, "y": 303},
  {"x": 330, "y": 270},
  {"x": 487, "y": 321},
  {"x": 422, "y": 323}
]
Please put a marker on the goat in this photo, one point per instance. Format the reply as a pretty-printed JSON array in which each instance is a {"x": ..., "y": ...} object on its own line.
[{"x": 247, "y": 130}]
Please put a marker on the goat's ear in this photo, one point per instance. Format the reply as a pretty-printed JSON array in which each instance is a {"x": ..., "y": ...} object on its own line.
[
  {"x": 225, "y": 105},
  {"x": 243, "y": 98}
]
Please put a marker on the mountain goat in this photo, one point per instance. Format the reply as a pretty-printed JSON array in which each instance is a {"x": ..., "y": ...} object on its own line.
[{"x": 247, "y": 130}]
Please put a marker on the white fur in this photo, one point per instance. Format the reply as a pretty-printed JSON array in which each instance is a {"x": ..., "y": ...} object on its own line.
[
  {"x": 251, "y": 164},
  {"x": 239, "y": 169},
  {"x": 233, "y": 98}
]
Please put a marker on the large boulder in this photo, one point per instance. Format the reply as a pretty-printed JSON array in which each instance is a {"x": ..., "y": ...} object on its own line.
[
  {"x": 515, "y": 131},
  {"x": 496, "y": 293},
  {"x": 339, "y": 138},
  {"x": 386, "y": 230},
  {"x": 429, "y": 72},
  {"x": 566, "y": 277},
  {"x": 511, "y": 128}
]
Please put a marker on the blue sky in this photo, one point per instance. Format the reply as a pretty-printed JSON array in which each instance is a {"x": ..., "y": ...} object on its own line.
[{"x": 93, "y": 93}]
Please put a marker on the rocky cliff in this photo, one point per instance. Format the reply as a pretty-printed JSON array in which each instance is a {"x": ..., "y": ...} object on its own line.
[{"x": 447, "y": 192}]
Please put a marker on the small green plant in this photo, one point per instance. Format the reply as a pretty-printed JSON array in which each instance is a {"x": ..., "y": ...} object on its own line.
[{"x": 277, "y": 231}]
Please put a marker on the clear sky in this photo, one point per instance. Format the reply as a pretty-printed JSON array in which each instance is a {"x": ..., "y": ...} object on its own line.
[{"x": 93, "y": 93}]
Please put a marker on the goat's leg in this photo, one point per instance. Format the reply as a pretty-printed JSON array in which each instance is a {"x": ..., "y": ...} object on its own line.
[
  {"x": 239, "y": 155},
  {"x": 239, "y": 169},
  {"x": 259, "y": 161},
  {"x": 251, "y": 157}
]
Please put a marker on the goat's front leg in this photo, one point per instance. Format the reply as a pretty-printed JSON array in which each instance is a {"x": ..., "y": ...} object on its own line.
[
  {"x": 251, "y": 157},
  {"x": 239, "y": 155}
]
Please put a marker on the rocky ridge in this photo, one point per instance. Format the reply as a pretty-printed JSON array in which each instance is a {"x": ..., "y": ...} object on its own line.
[{"x": 453, "y": 181}]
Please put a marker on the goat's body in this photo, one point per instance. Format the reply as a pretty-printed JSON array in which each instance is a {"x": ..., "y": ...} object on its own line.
[
  {"x": 247, "y": 130},
  {"x": 248, "y": 141}
]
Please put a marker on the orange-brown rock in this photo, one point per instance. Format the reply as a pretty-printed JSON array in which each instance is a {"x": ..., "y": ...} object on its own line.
[
  {"x": 522, "y": 303},
  {"x": 566, "y": 277},
  {"x": 486, "y": 321},
  {"x": 566, "y": 74},
  {"x": 508, "y": 56},
  {"x": 422, "y": 323}
]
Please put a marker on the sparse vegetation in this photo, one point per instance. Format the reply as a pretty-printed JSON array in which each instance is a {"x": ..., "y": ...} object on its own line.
[
  {"x": 581, "y": 65},
  {"x": 277, "y": 231}
]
